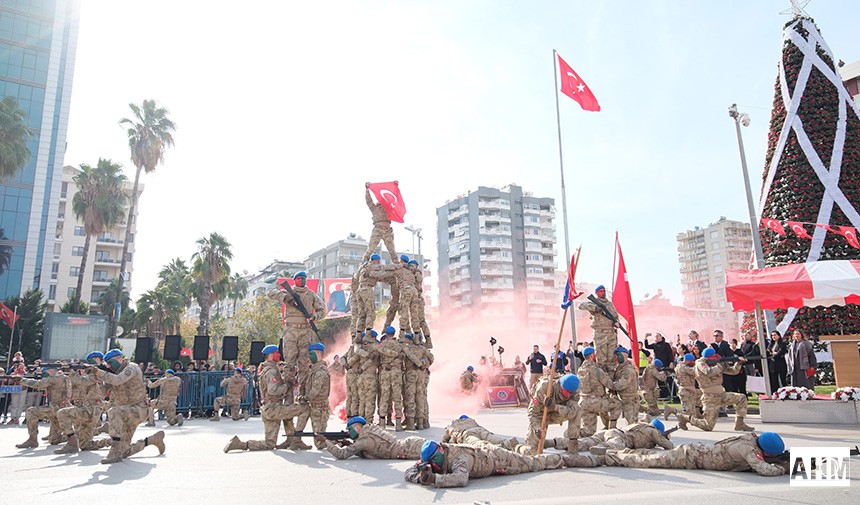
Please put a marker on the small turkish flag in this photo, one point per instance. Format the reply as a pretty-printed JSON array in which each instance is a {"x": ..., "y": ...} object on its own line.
[
  {"x": 574, "y": 87},
  {"x": 388, "y": 195},
  {"x": 850, "y": 234},
  {"x": 773, "y": 224},
  {"x": 186, "y": 351},
  {"x": 798, "y": 229},
  {"x": 8, "y": 315}
]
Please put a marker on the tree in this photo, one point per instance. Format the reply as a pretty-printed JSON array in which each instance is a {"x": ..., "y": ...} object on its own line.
[
  {"x": 99, "y": 203},
  {"x": 149, "y": 135},
  {"x": 70, "y": 307},
  {"x": 177, "y": 278},
  {"x": 14, "y": 134},
  {"x": 211, "y": 274},
  {"x": 30, "y": 326},
  {"x": 808, "y": 145},
  {"x": 238, "y": 289},
  {"x": 5, "y": 252},
  {"x": 107, "y": 306},
  {"x": 259, "y": 319},
  {"x": 158, "y": 311}
]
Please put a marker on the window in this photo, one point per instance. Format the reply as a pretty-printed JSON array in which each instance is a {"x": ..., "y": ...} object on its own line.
[
  {"x": 128, "y": 257},
  {"x": 71, "y": 292},
  {"x": 718, "y": 268},
  {"x": 74, "y": 271},
  {"x": 715, "y": 245},
  {"x": 52, "y": 292},
  {"x": 79, "y": 231},
  {"x": 104, "y": 236},
  {"x": 57, "y": 248},
  {"x": 715, "y": 257},
  {"x": 534, "y": 257},
  {"x": 100, "y": 276},
  {"x": 64, "y": 190},
  {"x": 715, "y": 234},
  {"x": 77, "y": 251}
]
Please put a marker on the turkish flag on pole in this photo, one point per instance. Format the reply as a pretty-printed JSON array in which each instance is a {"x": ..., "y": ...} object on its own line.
[
  {"x": 623, "y": 302},
  {"x": 8, "y": 315},
  {"x": 388, "y": 195},
  {"x": 574, "y": 87}
]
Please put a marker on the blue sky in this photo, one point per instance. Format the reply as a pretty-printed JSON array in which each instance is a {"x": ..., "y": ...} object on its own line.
[{"x": 284, "y": 110}]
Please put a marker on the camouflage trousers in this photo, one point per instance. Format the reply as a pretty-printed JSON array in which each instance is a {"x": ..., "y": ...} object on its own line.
[
  {"x": 629, "y": 409},
  {"x": 124, "y": 419},
  {"x": 571, "y": 433},
  {"x": 419, "y": 311},
  {"x": 409, "y": 322},
  {"x": 690, "y": 400},
  {"x": 81, "y": 421},
  {"x": 233, "y": 402},
  {"x": 687, "y": 456},
  {"x": 318, "y": 413},
  {"x": 353, "y": 399},
  {"x": 363, "y": 309},
  {"x": 410, "y": 392},
  {"x": 168, "y": 405},
  {"x": 393, "y": 306},
  {"x": 713, "y": 402},
  {"x": 605, "y": 343},
  {"x": 610, "y": 439},
  {"x": 651, "y": 398},
  {"x": 593, "y": 406},
  {"x": 273, "y": 414},
  {"x": 48, "y": 413},
  {"x": 391, "y": 391},
  {"x": 422, "y": 407},
  {"x": 297, "y": 338},
  {"x": 381, "y": 233},
  {"x": 367, "y": 394}
]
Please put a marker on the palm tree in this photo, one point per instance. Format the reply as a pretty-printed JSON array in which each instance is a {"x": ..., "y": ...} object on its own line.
[
  {"x": 107, "y": 302},
  {"x": 211, "y": 274},
  {"x": 238, "y": 289},
  {"x": 176, "y": 277},
  {"x": 149, "y": 136},
  {"x": 5, "y": 252},
  {"x": 14, "y": 133},
  {"x": 99, "y": 204},
  {"x": 71, "y": 307},
  {"x": 159, "y": 311}
]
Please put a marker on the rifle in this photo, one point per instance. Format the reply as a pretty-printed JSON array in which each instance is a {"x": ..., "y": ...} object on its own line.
[
  {"x": 732, "y": 359},
  {"x": 301, "y": 306},
  {"x": 670, "y": 431},
  {"x": 329, "y": 435},
  {"x": 784, "y": 459},
  {"x": 608, "y": 314}
]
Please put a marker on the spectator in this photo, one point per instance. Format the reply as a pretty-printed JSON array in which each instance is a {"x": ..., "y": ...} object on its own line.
[
  {"x": 519, "y": 365},
  {"x": 561, "y": 362},
  {"x": 662, "y": 349},
  {"x": 750, "y": 349},
  {"x": 776, "y": 353},
  {"x": 17, "y": 400},
  {"x": 536, "y": 361},
  {"x": 800, "y": 361},
  {"x": 177, "y": 366},
  {"x": 643, "y": 357},
  {"x": 192, "y": 367},
  {"x": 696, "y": 340},
  {"x": 695, "y": 351}
]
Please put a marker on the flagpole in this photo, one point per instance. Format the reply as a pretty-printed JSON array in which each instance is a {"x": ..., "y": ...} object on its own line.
[
  {"x": 11, "y": 338},
  {"x": 563, "y": 194}
]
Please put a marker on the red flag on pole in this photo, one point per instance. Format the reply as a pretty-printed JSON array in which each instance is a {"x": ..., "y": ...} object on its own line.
[
  {"x": 570, "y": 292},
  {"x": 574, "y": 87},
  {"x": 8, "y": 315},
  {"x": 388, "y": 195},
  {"x": 623, "y": 302}
]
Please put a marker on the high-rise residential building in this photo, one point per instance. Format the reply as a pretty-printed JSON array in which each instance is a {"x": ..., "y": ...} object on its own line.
[
  {"x": 850, "y": 74},
  {"x": 704, "y": 254},
  {"x": 103, "y": 259},
  {"x": 497, "y": 261},
  {"x": 38, "y": 39}
]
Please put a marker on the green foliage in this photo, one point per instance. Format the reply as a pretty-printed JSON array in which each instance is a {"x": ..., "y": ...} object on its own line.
[
  {"x": 259, "y": 319},
  {"x": 30, "y": 326},
  {"x": 331, "y": 329},
  {"x": 70, "y": 308},
  {"x": 14, "y": 134},
  {"x": 211, "y": 274}
]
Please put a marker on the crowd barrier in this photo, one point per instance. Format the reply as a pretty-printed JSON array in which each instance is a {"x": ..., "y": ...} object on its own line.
[{"x": 199, "y": 390}]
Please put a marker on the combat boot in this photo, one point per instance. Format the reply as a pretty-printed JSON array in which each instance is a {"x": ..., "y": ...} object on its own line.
[
  {"x": 58, "y": 440},
  {"x": 70, "y": 447},
  {"x": 683, "y": 419},
  {"x": 156, "y": 440},
  {"x": 215, "y": 418},
  {"x": 235, "y": 444},
  {"x": 410, "y": 424},
  {"x": 741, "y": 426},
  {"x": 150, "y": 424},
  {"x": 382, "y": 422},
  {"x": 30, "y": 443},
  {"x": 397, "y": 425},
  {"x": 298, "y": 445},
  {"x": 668, "y": 411},
  {"x": 613, "y": 423},
  {"x": 117, "y": 451}
]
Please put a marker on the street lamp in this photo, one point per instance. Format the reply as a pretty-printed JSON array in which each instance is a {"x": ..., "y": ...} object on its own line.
[
  {"x": 415, "y": 231},
  {"x": 744, "y": 119}
]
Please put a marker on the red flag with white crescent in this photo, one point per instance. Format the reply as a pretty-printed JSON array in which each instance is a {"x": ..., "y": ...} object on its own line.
[
  {"x": 388, "y": 195},
  {"x": 850, "y": 234},
  {"x": 798, "y": 229},
  {"x": 8, "y": 315},
  {"x": 773, "y": 224}
]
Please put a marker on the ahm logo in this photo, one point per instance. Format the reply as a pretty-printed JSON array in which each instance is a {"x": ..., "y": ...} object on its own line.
[{"x": 819, "y": 466}]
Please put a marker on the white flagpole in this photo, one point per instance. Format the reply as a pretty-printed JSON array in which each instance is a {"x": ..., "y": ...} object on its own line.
[{"x": 563, "y": 197}]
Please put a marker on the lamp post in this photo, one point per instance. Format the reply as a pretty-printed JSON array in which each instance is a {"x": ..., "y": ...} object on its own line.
[
  {"x": 415, "y": 232},
  {"x": 744, "y": 119}
]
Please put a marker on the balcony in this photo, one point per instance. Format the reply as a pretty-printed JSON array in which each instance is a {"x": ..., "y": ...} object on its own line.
[
  {"x": 61, "y": 216},
  {"x": 110, "y": 242},
  {"x": 106, "y": 261}
]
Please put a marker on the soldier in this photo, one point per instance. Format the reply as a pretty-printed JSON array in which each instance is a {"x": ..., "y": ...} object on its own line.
[
  {"x": 298, "y": 334},
  {"x": 78, "y": 422},
  {"x": 709, "y": 374},
  {"x": 277, "y": 397},
  {"x": 422, "y": 406},
  {"x": 352, "y": 363},
  {"x": 468, "y": 380},
  {"x": 337, "y": 372},
  {"x": 166, "y": 400},
  {"x": 372, "y": 442},
  {"x": 562, "y": 405},
  {"x": 317, "y": 390},
  {"x": 466, "y": 430},
  {"x": 605, "y": 336},
  {"x": 593, "y": 383},
  {"x": 742, "y": 453},
  {"x": 381, "y": 226},
  {"x": 415, "y": 363},
  {"x": 452, "y": 465},
  {"x": 236, "y": 386},
  {"x": 625, "y": 384},
  {"x": 401, "y": 275},
  {"x": 59, "y": 390},
  {"x": 415, "y": 268},
  {"x": 650, "y": 389},
  {"x": 691, "y": 398},
  {"x": 368, "y": 384},
  {"x": 128, "y": 407},
  {"x": 391, "y": 378},
  {"x": 634, "y": 436},
  {"x": 364, "y": 308}
]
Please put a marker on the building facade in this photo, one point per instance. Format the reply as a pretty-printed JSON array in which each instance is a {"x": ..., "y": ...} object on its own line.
[
  {"x": 497, "y": 262},
  {"x": 105, "y": 254},
  {"x": 851, "y": 78},
  {"x": 38, "y": 40}
]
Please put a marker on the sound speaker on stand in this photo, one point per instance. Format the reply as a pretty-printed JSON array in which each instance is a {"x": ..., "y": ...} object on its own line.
[
  {"x": 172, "y": 347},
  {"x": 256, "y": 355},
  {"x": 143, "y": 350},
  {"x": 230, "y": 348},
  {"x": 201, "y": 347}
]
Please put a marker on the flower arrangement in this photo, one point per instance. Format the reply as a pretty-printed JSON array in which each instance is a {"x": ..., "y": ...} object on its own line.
[
  {"x": 793, "y": 393},
  {"x": 846, "y": 393}
]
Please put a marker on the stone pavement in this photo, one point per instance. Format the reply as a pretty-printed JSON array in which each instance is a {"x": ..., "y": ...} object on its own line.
[{"x": 194, "y": 467}]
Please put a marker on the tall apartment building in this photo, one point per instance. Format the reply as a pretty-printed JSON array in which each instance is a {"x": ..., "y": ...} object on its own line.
[
  {"x": 38, "y": 39},
  {"x": 704, "y": 254},
  {"x": 105, "y": 254},
  {"x": 497, "y": 261}
]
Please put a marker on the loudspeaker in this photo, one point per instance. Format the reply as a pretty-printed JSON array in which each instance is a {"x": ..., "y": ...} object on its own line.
[
  {"x": 143, "y": 350},
  {"x": 230, "y": 349},
  {"x": 256, "y": 356},
  {"x": 172, "y": 347},
  {"x": 201, "y": 347}
]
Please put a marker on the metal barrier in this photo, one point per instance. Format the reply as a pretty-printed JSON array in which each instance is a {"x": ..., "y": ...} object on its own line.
[{"x": 198, "y": 391}]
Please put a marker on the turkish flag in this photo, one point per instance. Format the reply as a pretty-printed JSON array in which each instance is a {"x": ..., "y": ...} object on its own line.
[
  {"x": 186, "y": 351},
  {"x": 388, "y": 195},
  {"x": 623, "y": 301},
  {"x": 773, "y": 224},
  {"x": 798, "y": 229},
  {"x": 8, "y": 315},
  {"x": 850, "y": 234},
  {"x": 573, "y": 86},
  {"x": 827, "y": 227}
]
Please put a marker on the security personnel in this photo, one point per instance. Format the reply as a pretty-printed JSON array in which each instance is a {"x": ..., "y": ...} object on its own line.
[
  {"x": 372, "y": 442},
  {"x": 166, "y": 400},
  {"x": 595, "y": 401},
  {"x": 562, "y": 405},
  {"x": 709, "y": 374},
  {"x": 236, "y": 386},
  {"x": 468, "y": 379},
  {"x": 317, "y": 389}
]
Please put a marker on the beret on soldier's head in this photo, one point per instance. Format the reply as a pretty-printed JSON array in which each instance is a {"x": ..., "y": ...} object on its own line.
[
  {"x": 588, "y": 351},
  {"x": 658, "y": 363},
  {"x": 709, "y": 353},
  {"x": 355, "y": 419},
  {"x": 317, "y": 346},
  {"x": 428, "y": 449},
  {"x": 113, "y": 353},
  {"x": 269, "y": 349},
  {"x": 658, "y": 424},
  {"x": 598, "y": 288},
  {"x": 689, "y": 357}
]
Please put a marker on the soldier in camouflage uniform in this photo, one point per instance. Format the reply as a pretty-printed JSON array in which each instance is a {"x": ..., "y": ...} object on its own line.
[
  {"x": 466, "y": 430},
  {"x": 298, "y": 334},
  {"x": 59, "y": 391},
  {"x": 418, "y": 274},
  {"x": 633, "y": 436},
  {"x": 594, "y": 402},
  {"x": 650, "y": 388},
  {"x": 128, "y": 407},
  {"x": 625, "y": 384},
  {"x": 166, "y": 400},
  {"x": 352, "y": 363},
  {"x": 562, "y": 404},
  {"x": 391, "y": 378},
  {"x": 316, "y": 390},
  {"x": 368, "y": 382},
  {"x": 372, "y": 442},
  {"x": 605, "y": 330},
  {"x": 452, "y": 465},
  {"x": 415, "y": 363},
  {"x": 742, "y": 453},
  {"x": 381, "y": 227},
  {"x": 79, "y": 421},
  {"x": 468, "y": 380},
  {"x": 364, "y": 306},
  {"x": 691, "y": 398},
  {"x": 709, "y": 374},
  {"x": 236, "y": 386},
  {"x": 422, "y": 406},
  {"x": 276, "y": 393}
]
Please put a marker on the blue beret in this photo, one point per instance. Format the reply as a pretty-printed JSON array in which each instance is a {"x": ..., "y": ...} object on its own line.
[
  {"x": 621, "y": 348},
  {"x": 658, "y": 424},
  {"x": 169, "y": 371},
  {"x": 470, "y": 368},
  {"x": 588, "y": 351},
  {"x": 464, "y": 416},
  {"x": 373, "y": 333},
  {"x": 689, "y": 357},
  {"x": 390, "y": 330},
  {"x": 238, "y": 369},
  {"x": 95, "y": 354},
  {"x": 709, "y": 352},
  {"x": 658, "y": 363},
  {"x": 270, "y": 349},
  {"x": 356, "y": 419},
  {"x": 428, "y": 449},
  {"x": 404, "y": 258},
  {"x": 598, "y": 288},
  {"x": 300, "y": 274},
  {"x": 771, "y": 443},
  {"x": 113, "y": 353},
  {"x": 316, "y": 347},
  {"x": 570, "y": 383},
  {"x": 375, "y": 257},
  {"x": 408, "y": 335}
]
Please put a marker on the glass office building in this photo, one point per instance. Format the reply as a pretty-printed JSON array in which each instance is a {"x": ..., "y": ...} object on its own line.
[{"x": 38, "y": 39}]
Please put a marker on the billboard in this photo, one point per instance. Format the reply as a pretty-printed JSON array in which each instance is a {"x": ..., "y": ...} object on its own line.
[
  {"x": 70, "y": 336},
  {"x": 338, "y": 293}
]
